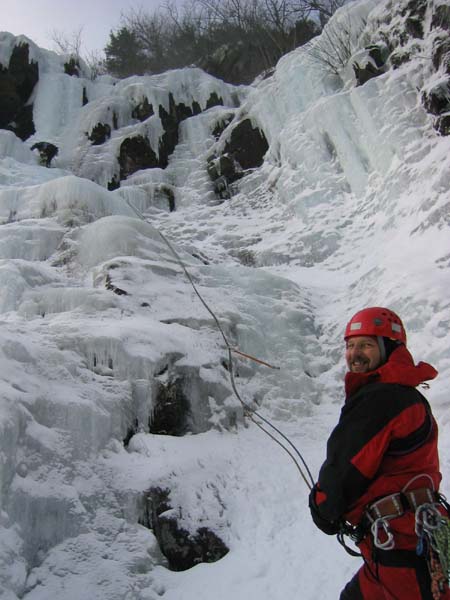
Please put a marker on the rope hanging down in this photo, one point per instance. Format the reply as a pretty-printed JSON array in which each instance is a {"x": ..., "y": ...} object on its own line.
[{"x": 250, "y": 412}]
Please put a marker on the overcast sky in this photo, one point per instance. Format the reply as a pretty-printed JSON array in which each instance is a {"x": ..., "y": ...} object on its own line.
[{"x": 38, "y": 18}]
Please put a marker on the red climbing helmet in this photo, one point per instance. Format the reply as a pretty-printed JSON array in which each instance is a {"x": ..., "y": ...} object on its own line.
[{"x": 376, "y": 321}]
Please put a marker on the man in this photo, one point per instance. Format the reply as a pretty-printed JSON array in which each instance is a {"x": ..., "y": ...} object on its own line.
[{"x": 381, "y": 474}]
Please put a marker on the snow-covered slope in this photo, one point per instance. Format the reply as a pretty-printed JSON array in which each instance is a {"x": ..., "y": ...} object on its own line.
[{"x": 114, "y": 378}]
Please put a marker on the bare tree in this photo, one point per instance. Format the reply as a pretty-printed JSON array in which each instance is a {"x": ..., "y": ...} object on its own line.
[
  {"x": 67, "y": 43},
  {"x": 336, "y": 45}
]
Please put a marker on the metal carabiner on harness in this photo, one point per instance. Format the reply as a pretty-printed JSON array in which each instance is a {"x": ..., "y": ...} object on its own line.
[
  {"x": 377, "y": 525},
  {"x": 427, "y": 518}
]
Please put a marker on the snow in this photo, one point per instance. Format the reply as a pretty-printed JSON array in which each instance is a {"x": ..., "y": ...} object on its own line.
[{"x": 349, "y": 209}]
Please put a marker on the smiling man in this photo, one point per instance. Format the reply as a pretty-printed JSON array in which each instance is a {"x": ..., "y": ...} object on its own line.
[{"x": 381, "y": 477}]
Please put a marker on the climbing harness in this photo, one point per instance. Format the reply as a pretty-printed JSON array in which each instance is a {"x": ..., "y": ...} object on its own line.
[{"x": 249, "y": 411}]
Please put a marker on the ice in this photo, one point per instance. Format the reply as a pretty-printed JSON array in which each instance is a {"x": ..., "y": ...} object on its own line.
[{"x": 99, "y": 320}]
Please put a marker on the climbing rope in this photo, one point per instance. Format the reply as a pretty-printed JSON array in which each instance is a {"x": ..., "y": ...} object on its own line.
[{"x": 249, "y": 411}]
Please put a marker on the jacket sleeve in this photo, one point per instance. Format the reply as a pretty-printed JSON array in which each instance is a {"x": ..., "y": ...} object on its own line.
[{"x": 369, "y": 424}]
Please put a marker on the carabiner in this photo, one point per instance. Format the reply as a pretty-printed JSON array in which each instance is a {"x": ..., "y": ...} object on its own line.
[{"x": 378, "y": 524}]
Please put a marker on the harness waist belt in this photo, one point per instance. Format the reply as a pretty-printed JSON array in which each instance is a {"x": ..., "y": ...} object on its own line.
[{"x": 395, "y": 505}]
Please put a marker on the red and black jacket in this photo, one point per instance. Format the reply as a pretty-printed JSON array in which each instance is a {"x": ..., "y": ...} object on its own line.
[{"x": 386, "y": 436}]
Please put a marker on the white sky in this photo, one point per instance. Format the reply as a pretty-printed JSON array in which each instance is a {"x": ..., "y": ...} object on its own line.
[{"x": 38, "y": 18}]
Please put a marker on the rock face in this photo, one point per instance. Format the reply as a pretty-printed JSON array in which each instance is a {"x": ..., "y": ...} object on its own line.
[
  {"x": 374, "y": 64},
  {"x": 47, "y": 152},
  {"x": 403, "y": 34},
  {"x": 136, "y": 153},
  {"x": 182, "y": 549},
  {"x": 244, "y": 150},
  {"x": 100, "y": 133},
  {"x": 171, "y": 410},
  {"x": 17, "y": 82}
]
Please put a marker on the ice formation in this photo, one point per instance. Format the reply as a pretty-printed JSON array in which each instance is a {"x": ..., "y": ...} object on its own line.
[{"x": 99, "y": 324}]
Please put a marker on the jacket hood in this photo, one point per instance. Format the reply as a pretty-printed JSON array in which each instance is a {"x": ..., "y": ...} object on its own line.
[{"x": 400, "y": 368}]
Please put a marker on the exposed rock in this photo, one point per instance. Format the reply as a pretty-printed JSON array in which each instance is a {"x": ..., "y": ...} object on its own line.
[
  {"x": 131, "y": 431},
  {"x": 247, "y": 145},
  {"x": 109, "y": 285},
  {"x": 169, "y": 195},
  {"x": 399, "y": 57},
  {"x": 23, "y": 124},
  {"x": 441, "y": 17},
  {"x": 373, "y": 63},
  {"x": 441, "y": 54},
  {"x": 47, "y": 152},
  {"x": 221, "y": 125},
  {"x": 182, "y": 549},
  {"x": 442, "y": 124},
  {"x": 224, "y": 171},
  {"x": 85, "y": 98},
  {"x": 143, "y": 110},
  {"x": 16, "y": 85},
  {"x": 171, "y": 409},
  {"x": 135, "y": 154},
  {"x": 244, "y": 150},
  {"x": 171, "y": 121},
  {"x": 437, "y": 99},
  {"x": 100, "y": 133},
  {"x": 72, "y": 67},
  {"x": 114, "y": 184}
]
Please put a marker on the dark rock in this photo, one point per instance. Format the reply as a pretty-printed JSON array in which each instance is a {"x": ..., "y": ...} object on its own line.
[
  {"x": 378, "y": 53},
  {"x": 113, "y": 288},
  {"x": 415, "y": 12},
  {"x": 415, "y": 8},
  {"x": 399, "y": 57},
  {"x": 24, "y": 73},
  {"x": 100, "y": 133},
  {"x": 171, "y": 409},
  {"x": 114, "y": 184},
  {"x": 135, "y": 154},
  {"x": 131, "y": 431},
  {"x": 414, "y": 26},
  {"x": 363, "y": 74},
  {"x": 214, "y": 100},
  {"x": 85, "y": 98},
  {"x": 72, "y": 67},
  {"x": 170, "y": 122},
  {"x": 23, "y": 124},
  {"x": 221, "y": 125},
  {"x": 375, "y": 63},
  {"x": 17, "y": 82},
  {"x": 170, "y": 196},
  {"x": 47, "y": 152},
  {"x": 247, "y": 145},
  {"x": 143, "y": 110},
  {"x": 224, "y": 171},
  {"x": 9, "y": 98},
  {"x": 442, "y": 124},
  {"x": 441, "y": 17},
  {"x": 437, "y": 100},
  {"x": 244, "y": 150},
  {"x": 441, "y": 54},
  {"x": 182, "y": 549}
]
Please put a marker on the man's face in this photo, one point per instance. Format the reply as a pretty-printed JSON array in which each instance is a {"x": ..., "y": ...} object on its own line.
[{"x": 362, "y": 354}]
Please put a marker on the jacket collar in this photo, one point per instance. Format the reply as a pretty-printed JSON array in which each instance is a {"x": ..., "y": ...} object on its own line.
[{"x": 400, "y": 368}]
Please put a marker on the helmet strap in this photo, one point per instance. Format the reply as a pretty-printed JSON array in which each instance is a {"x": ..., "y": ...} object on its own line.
[{"x": 382, "y": 348}]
